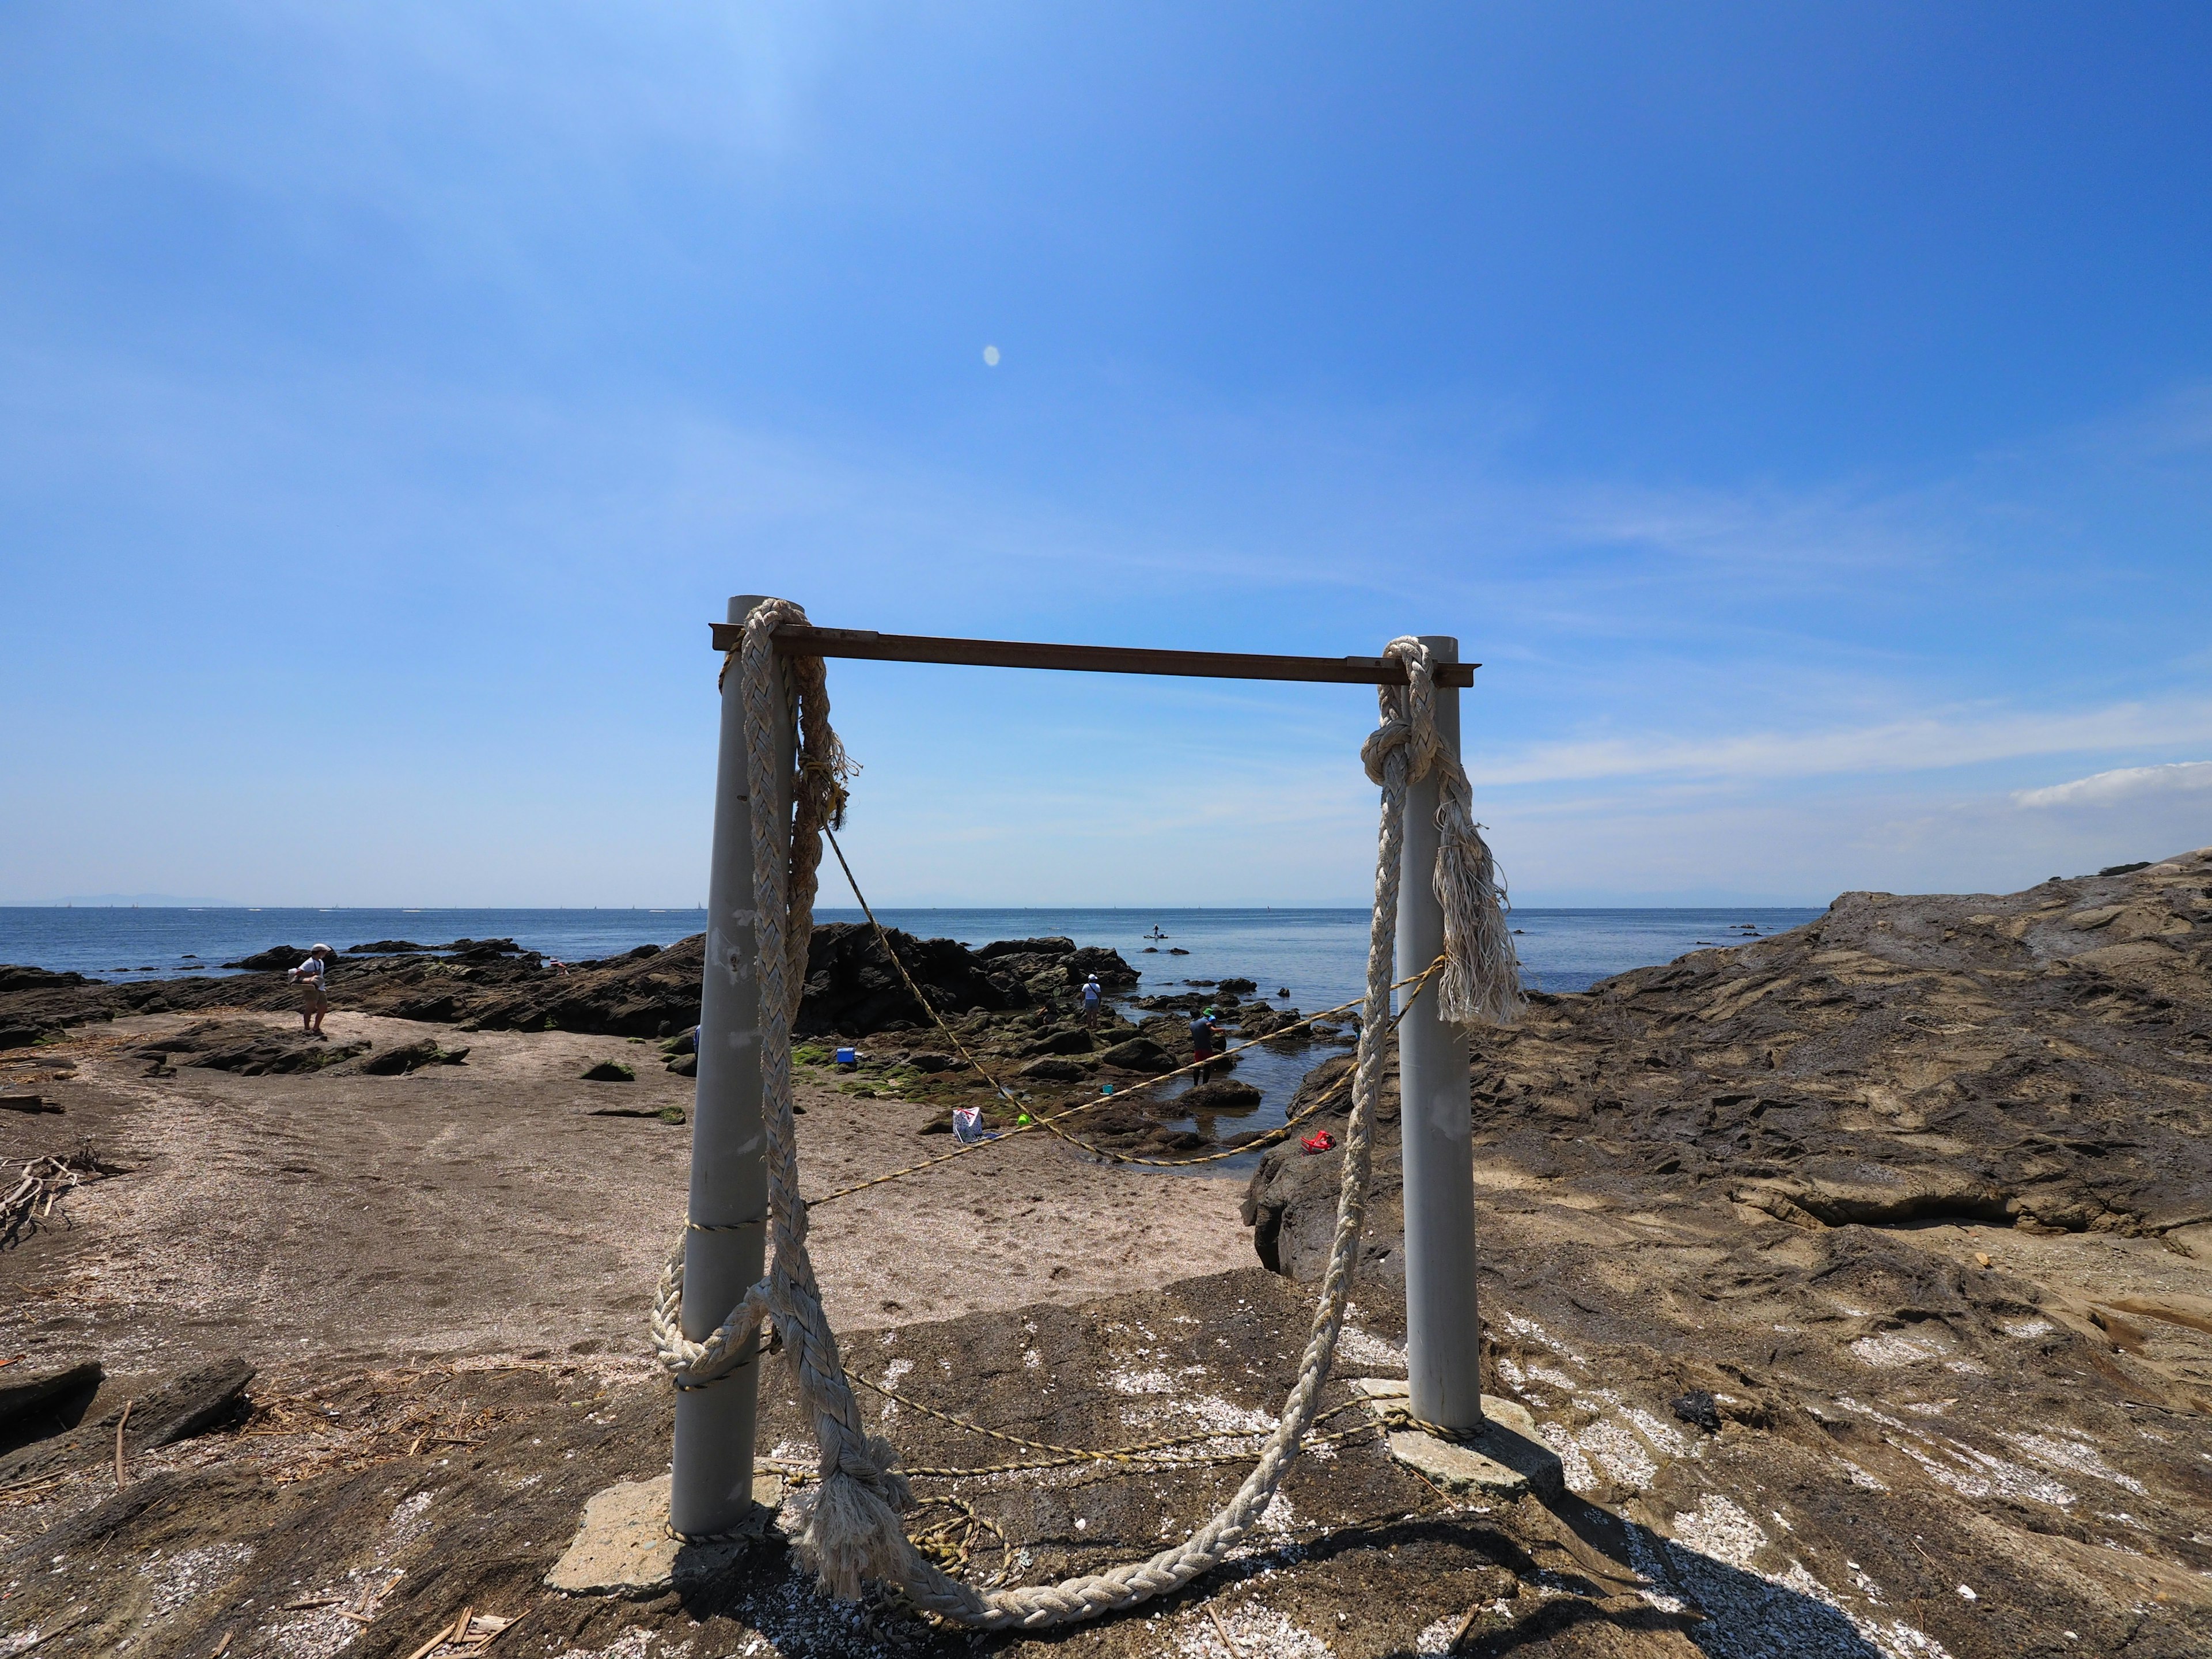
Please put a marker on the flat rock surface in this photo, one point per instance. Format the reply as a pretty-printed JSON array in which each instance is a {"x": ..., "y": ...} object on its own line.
[
  {"x": 1456, "y": 1467},
  {"x": 401, "y": 1496},
  {"x": 1504, "y": 1456}
]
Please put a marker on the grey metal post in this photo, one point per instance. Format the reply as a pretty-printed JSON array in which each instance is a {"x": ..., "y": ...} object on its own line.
[
  {"x": 713, "y": 1465},
  {"x": 1444, "y": 1340}
]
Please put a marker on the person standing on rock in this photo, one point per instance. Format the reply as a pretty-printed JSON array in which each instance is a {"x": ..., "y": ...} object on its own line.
[
  {"x": 1204, "y": 1038},
  {"x": 1091, "y": 998},
  {"x": 314, "y": 1002}
]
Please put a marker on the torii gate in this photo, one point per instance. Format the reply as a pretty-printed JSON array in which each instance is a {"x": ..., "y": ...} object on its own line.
[{"x": 725, "y": 1252}]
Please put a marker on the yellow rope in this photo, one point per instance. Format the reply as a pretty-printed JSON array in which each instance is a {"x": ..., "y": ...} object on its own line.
[
  {"x": 1049, "y": 1121},
  {"x": 1258, "y": 1143},
  {"x": 967, "y": 1521},
  {"x": 1145, "y": 1454},
  {"x": 1134, "y": 1465},
  {"x": 1118, "y": 1454}
]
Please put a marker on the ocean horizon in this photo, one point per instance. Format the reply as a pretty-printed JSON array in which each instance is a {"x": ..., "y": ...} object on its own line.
[{"x": 1317, "y": 953}]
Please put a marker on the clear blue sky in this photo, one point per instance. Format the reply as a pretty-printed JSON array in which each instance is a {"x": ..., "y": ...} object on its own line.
[{"x": 1803, "y": 411}]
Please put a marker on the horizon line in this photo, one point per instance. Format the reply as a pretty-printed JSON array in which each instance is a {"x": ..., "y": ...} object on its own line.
[{"x": 1744, "y": 903}]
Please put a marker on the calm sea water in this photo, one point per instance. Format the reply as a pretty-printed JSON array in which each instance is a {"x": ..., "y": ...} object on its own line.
[
  {"x": 1318, "y": 956},
  {"x": 163, "y": 943}
]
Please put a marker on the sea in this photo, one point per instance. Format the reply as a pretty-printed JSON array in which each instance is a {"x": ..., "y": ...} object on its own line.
[
  {"x": 1310, "y": 959},
  {"x": 1319, "y": 955}
]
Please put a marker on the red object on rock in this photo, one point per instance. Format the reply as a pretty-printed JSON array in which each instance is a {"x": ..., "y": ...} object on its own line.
[{"x": 1320, "y": 1142}]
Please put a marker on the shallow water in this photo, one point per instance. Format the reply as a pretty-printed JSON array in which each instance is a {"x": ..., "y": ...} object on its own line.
[{"x": 1320, "y": 956}]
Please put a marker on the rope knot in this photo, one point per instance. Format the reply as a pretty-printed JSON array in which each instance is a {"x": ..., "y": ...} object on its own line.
[
  {"x": 1388, "y": 736},
  {"x": 1408, "y": 717}
]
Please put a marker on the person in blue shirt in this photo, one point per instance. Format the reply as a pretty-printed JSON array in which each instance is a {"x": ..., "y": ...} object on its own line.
[{"x": 1204, "y": 1039}]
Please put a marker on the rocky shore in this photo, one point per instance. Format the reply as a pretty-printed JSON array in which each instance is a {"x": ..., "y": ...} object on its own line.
[
  {"x": 1858, "y": 1275},
  {"x": 1014, "y": 1004},
  {"x": 851, "y": 990}
]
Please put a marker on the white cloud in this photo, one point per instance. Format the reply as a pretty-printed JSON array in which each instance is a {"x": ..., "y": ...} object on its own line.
[
  {"x": 1932, "y": 743},
  {"x": 2128, "y": 783}
]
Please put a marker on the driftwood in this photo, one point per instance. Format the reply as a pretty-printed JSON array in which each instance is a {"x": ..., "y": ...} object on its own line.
[{"x": 31, "y": 1188}]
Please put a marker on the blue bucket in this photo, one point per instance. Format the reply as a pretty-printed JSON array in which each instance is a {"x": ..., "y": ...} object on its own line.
[{"x": 849, "y": 1056}]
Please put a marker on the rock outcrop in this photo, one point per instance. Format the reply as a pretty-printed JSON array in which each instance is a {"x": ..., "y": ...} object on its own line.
[
  {"x": 246, "y": 1047},
  {"x": 2042, "y": 1059},
  {"x": 852, "y": 989}
]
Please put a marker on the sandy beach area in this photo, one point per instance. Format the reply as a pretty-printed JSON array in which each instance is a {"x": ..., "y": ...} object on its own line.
[{"x": 488, "y": 1208}]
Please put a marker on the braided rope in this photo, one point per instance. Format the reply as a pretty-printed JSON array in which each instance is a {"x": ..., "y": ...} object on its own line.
[
  {"x": 1482, "y": 975},
  {"x": 852, "y": 1530}
]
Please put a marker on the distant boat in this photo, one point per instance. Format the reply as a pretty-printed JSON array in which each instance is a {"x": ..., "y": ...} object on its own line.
[{"x": 1156, "y": 933}]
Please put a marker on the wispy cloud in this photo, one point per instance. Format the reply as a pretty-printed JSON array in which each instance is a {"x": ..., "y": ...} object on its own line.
[
  {"x": 2126, "y": 783},
  {"x": 1963, "y": 739}
]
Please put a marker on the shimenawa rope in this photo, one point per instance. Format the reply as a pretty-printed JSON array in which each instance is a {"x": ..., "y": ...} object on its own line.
[{"x": 852, "y": 1527}]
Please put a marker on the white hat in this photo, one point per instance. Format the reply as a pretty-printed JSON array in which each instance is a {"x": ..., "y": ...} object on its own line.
[{"x": 312, "y": 949}]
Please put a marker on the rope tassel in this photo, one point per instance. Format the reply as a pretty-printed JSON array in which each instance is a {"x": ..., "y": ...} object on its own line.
[
  {"x": 851, "y": 1530},
  {"x": 1481, "y": 980}
]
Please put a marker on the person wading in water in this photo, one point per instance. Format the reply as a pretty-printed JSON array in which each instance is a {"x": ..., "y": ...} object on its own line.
[{"x": 1204, "y": 1037}]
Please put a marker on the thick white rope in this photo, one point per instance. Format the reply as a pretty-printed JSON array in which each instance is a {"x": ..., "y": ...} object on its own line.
[{"x": 852, "y": 1527}]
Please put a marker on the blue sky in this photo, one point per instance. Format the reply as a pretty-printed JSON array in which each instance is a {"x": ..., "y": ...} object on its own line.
[{"x": 1804, "y": 412}]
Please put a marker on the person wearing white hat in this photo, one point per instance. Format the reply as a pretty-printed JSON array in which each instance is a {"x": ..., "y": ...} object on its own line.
[{"x": 314, "y": 1000}]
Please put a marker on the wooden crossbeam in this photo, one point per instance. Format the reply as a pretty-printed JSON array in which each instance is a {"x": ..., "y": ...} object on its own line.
[{"x": 867, "y": 644}]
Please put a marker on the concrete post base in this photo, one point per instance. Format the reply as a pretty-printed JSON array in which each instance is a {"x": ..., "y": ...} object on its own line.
[
  {"x": 1504, "y": 1458},
  {"x": 621, "y": 1545}
]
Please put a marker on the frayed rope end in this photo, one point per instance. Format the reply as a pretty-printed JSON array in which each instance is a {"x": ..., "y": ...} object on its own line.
[
  {"x": 852, "y": 1531},
  {"x": 1480, "y": 984}
]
